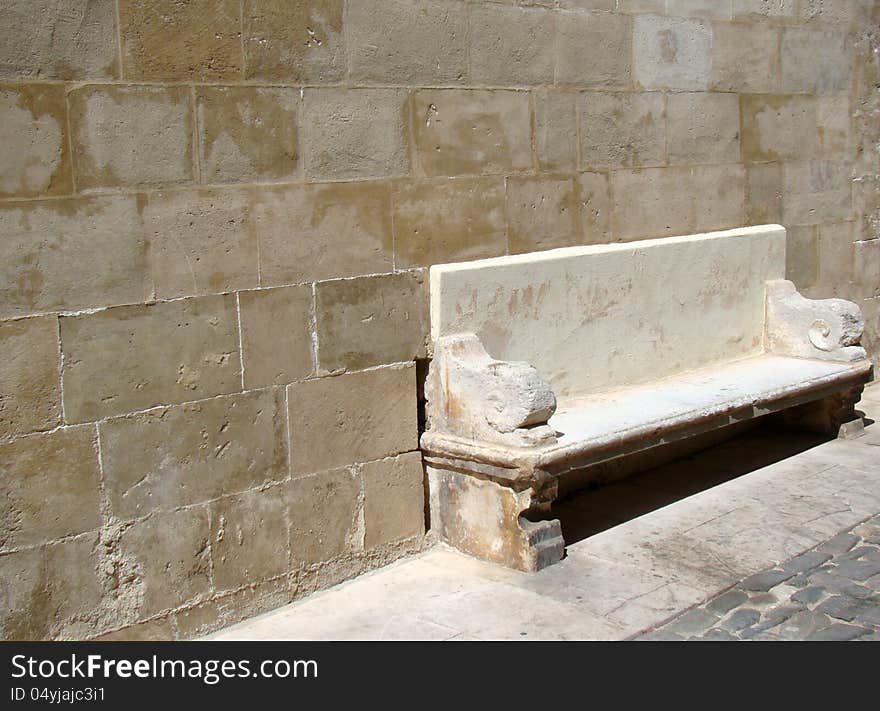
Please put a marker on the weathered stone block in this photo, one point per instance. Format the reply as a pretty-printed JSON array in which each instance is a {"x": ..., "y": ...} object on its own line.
[
  {"x": 394, "y": 499},
  {"x": 804, "y": 69},
  {"x": 622, "y": 129},
  {"x": 761, "y": 9},
  {"x": 440, "y": 220},
  {"x": 841, "y": 11},
  {"x": 323, "y": 510},
  {"x": 200, "y": 242},
  {"x": 836, "y": 261},
  {"x": 355, "y": 133},
  {"x": 866, "y": 268},
  {"x": 703, "y": 128},
  {"x": 49, "y": 592},
  {"x": 588, "y": 4},
  {"x": 71, "y": 254},
  {"x": 249, "y": 537},
  {"x": 672, "y": 52},
  {"x": 293, "y": 40},
  {"x": 168, "y": 39},
  {"x": 156, "y": 630},
  {"x": 51, "y": 40},
  {"x": 131, "y": 135},
  {"x": 276, "y": 335},
  {"x": 407, "y": 41},
  {"x": 168, "y": 547},
  {"x": 833, "y": 120},
  {"x": 48, "y": 486},
  {"x": 719, "y": 9},
  {"x": 30, "y": 361},
  {"x": 511, "y": 46},
  {"x": 662, "y": 202},
  {"x": 350, "y": 418},
  {"x": 816, "y": 191},
  {"x": 764, "y": 194},
  {"x": 459, "y": 132},
  {"x": 327, "y": 231},
  {"x": 594, "y": 49},
  {"x": 594, "y": 200},
  {"x": 33, "y": 131},
  {"x": 634, "y": 6},
  {"x": 187, "y": 454},
  {"x": 802, "y": 256},
  {"x": 556, "y": 130},
  {"x": 371, "y": 320},
  {"x": 745, "y": 57},
  {"x": 135, "y": 357},
  {"x": 542, "y": 213},
  {"x": 248, "y": 134},
  {"x": 778, "y": 127}
]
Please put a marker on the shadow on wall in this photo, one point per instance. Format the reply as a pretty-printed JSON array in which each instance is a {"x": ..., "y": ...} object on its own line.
[{"x": 586, "y": 512}]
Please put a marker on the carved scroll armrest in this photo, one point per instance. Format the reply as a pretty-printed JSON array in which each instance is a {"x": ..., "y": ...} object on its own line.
[
  {"x": 825, "y": 329},
  {"x": 472, "y": 395}
]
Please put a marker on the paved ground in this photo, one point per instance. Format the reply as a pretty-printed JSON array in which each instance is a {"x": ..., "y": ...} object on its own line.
[{"x": 783, "y": 544}]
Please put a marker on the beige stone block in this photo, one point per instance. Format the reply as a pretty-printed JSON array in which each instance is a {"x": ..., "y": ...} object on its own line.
[
  {"x": 30, "y": 361},
  {"x": 658, "y": 6},
  {"x": 802, "y": 256},
  {"x": 371, "y": 320},
  {"x": 394, "y": 499},
  {"x": 718, "y": 9},
  {"x": 349, "y": 418},
  {"x": 511, "y": 46},
  {"x": 542, "y": 213},
  {"x": 833, "y": 123},
  {"x": 249, "y": 538},
  {"x": 703, "y": 128},
  {"x": 594, "y": 202},
  {"x": 588, "y": 4},
  {"x": 135, "y": 357},
  {"x": 186, "y": 454},
  {"x": 33, "y": 131},
  {"x": 49, "y": 592},
  {"x": 313, "y": 232},
  {"x": 764, "y": 194},
  {"x": 622, "y": 129},
  {"x": 778, "y": 127},
  {"x": 168, "y": 557},
  {"x": 157, "y": 630},
  {"x": 762, "y": 9},
  {"x": 440, "y": 220},
  {"x": 355, "y": 133},
  {"x": 816, "y": 191},
  {"x": 458, "y": 132},
  {"x": 131, "y": 135},
  {"x": 407, "y": 41},
  {"x": 276, "y": 335},
  {"x": 63, "y": 255},
  {"x": 248, "y": 134},
  {"x": 836, "y": 262},
  {"x": 293, "y": 40},
  {"x": 661, "y": 202},
  {"x": 804, "y": 69},
  {"x": 200, "y": 242},
  {"x": 323, "y": 510},
  {"x": 672, "y": 52},
  {"x": 556, "y": 130},
  {"x": 49, "y": 485},
  {"x": 866, "y": 268},
  {"x": 75, "y": 39},
  {"x": 168, "y": 39},
  {"x": 830, "y": 11},
  {"x": 745, "y": 57},
  {"x": 594, "y": 50}
]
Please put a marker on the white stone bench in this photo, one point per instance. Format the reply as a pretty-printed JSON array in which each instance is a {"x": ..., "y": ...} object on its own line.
[{"x": 550, "y": 362}]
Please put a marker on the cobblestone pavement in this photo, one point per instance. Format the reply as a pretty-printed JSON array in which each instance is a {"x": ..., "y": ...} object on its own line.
[{"x": 831, "y": 592}]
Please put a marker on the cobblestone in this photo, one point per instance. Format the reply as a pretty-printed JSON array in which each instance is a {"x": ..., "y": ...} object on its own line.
[{"x": 829, "y": 593}]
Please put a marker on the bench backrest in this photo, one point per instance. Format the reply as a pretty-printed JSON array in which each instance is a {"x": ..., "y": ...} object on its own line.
[{"x": 603, "y": 316}]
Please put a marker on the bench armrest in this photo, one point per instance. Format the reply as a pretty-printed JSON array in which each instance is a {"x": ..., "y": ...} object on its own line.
[
  {"x": 823, "y": 329},
  {"x": 472, "y": 395}
]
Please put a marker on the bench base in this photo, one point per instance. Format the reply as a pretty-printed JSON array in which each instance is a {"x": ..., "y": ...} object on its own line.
[{"x": 495, "y": 522}]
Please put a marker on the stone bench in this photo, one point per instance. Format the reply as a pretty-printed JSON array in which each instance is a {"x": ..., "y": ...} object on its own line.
[{"x": 551, "y": 362}]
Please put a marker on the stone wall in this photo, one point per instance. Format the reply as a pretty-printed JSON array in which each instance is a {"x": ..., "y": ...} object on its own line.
[{"x": 215, "y": 219}]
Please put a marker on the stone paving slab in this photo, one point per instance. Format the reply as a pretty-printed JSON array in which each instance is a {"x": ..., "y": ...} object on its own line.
[{"x": 790, "y": 550}]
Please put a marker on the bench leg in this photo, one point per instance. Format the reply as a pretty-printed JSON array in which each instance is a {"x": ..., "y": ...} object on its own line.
[
  {"x": 834, "y": 415},
  {"x": 489, "y": 521}
]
